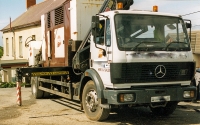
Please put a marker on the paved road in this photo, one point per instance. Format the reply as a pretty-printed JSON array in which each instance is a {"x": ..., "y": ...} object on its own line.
[{"x": 59, "y": 111}]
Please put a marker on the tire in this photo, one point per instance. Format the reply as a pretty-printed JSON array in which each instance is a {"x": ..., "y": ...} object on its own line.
[
  {"x": 34, "y": 88},
  {"x": 165, "y": 111},
  {"x": 91, "y": 105},
  {"x": 198, "y": 92}
]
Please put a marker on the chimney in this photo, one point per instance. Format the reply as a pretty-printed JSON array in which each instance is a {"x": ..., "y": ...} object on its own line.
[{"x": 30, "y": 3}]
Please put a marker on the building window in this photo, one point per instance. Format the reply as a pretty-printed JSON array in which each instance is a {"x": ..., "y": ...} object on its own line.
[
  {"x": 20, "y": 47},
  {"x": 13, "y": 49},
  {"x": 7, "y": 47}
]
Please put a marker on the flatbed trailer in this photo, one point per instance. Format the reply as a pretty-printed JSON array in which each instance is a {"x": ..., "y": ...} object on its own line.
[{"x": 52, "y": 79}]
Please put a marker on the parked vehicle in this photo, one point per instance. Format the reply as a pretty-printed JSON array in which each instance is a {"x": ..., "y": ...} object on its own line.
[{"x": 119, "y": 58}]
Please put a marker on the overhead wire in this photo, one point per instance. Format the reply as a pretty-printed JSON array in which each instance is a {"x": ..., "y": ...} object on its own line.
[{"x": 191, "y": 13}]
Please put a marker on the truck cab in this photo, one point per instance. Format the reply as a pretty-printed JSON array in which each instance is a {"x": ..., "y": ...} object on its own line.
[
  {"x": 148, "y": 43},
  {"x": 142, "y": 58}
]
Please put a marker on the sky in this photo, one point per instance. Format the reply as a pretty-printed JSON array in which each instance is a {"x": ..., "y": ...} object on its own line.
[
  {"x": 189, "y": 9},
  {"x": 11, "y": 9}
]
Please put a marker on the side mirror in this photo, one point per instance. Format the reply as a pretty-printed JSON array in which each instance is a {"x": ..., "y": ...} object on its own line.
[
  {"x": 95, "y": 21},
  {"x": 188, "y": 25},
  {"x": 95, "y": 26}
]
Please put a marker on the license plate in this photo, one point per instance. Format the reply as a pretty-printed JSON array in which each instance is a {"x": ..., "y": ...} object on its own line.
[{"x": 160, "y": 98}]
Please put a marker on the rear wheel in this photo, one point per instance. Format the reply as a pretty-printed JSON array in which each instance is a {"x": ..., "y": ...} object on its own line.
[
  {"x": 165, "y": 111},
  {"x": 34, "y": 88},
  {"x": 91, "y": 105}
]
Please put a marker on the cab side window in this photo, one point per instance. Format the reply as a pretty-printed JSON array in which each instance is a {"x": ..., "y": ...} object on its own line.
[
  {"x": 108, "y": 33},
  {"x": 100, "y": 36}
]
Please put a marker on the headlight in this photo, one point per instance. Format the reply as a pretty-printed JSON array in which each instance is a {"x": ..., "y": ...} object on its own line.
[
  {"x": 188, "y": 94},
  {"x": 126, "y": 97}
]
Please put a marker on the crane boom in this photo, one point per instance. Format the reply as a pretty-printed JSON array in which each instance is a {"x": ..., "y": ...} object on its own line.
[{"x": 107, "y": 5}]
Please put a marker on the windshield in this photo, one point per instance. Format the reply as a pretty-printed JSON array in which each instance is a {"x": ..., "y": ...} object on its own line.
[{"x": 150, "y": 33}]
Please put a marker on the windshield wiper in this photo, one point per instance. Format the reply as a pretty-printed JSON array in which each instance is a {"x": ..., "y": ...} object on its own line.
[
  {"x": 143, "y": 42},
  {"x": 166, "y": 48}
]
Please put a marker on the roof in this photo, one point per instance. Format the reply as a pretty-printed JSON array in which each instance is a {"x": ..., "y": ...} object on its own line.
[{"x": 33, "y": 15}]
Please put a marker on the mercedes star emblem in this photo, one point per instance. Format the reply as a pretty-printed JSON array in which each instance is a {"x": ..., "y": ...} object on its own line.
[{"x": 160, "y": 71}]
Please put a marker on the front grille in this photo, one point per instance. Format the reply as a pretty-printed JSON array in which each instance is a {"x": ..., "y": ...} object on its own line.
[{"x": 145, "y": 72}]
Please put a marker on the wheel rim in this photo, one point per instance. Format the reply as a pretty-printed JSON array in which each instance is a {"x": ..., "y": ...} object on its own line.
[{"x": 91, "y": 101}]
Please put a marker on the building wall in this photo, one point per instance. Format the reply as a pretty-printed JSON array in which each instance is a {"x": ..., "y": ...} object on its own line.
[
  {"x": 197, "y": 60},
  {"x": 5, "y": 75},
  {"x": 14, "y": 46},
  {"x": 195, "y": 45}
]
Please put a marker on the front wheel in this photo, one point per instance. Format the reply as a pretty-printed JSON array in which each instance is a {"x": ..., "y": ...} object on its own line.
[
  {"x": 198, "y": 92},
  {"x": 165, "y": 111},
  {"x": 91, "y": 105}
]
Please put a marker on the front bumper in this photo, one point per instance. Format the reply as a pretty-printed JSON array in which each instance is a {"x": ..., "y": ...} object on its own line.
[{"x": 147, "y": 95}]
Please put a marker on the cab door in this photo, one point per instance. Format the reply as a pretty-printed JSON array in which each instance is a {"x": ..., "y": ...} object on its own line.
[{"x": 100, "y": 50}]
